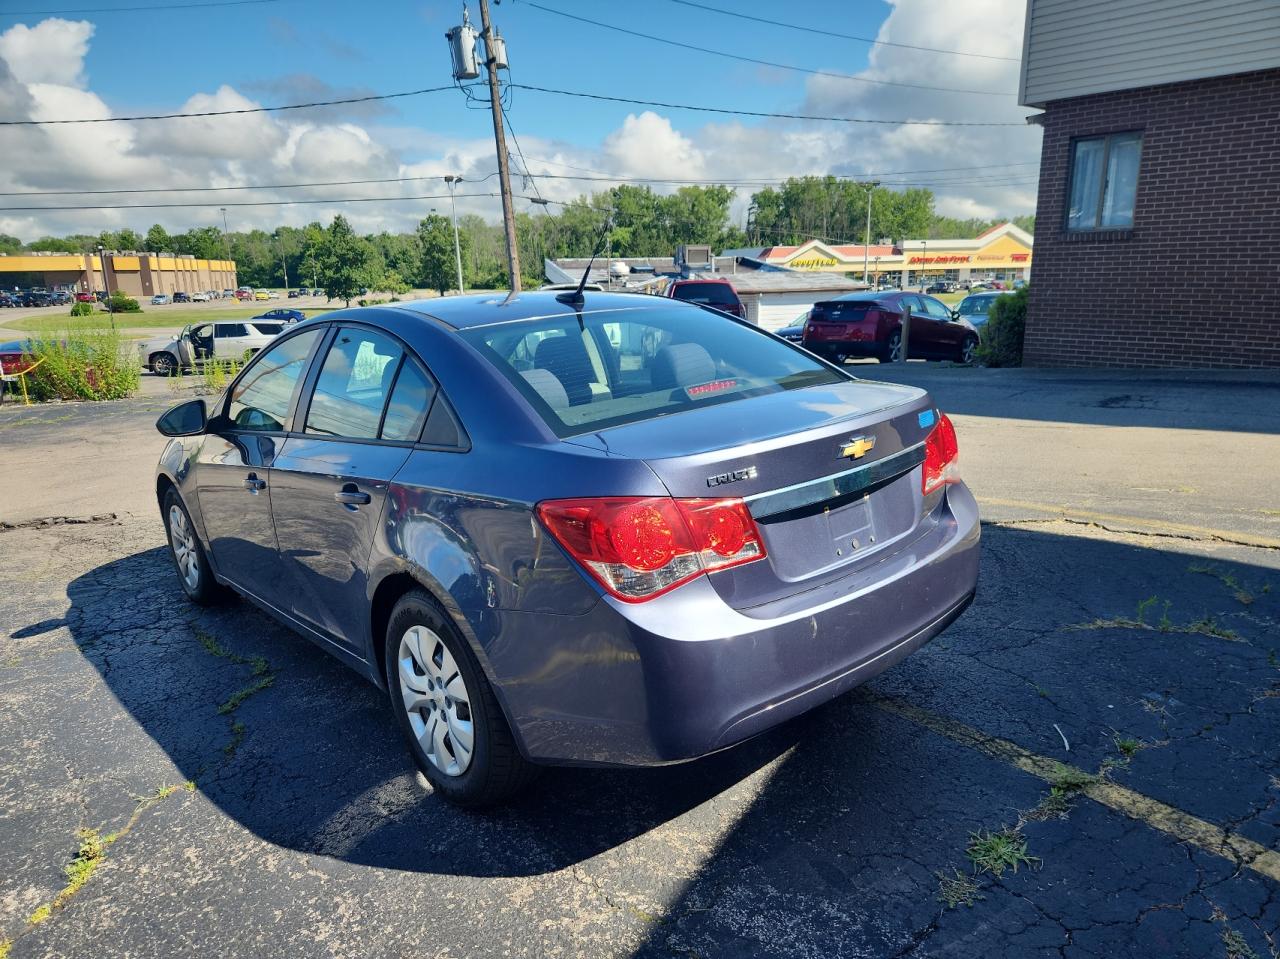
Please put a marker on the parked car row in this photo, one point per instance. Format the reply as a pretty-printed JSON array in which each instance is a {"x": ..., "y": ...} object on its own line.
[{"x": 37, "y": 297}]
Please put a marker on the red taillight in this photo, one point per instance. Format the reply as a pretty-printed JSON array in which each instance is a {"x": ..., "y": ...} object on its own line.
[
  {"x": 940, "y": 457},
  {"x": 640, "y": 547}
]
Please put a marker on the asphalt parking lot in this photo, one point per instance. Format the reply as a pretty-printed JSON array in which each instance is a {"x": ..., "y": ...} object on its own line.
[{"x": 1106, "y": 717}]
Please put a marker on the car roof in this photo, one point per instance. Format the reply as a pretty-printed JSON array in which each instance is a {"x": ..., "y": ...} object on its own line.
[{"x": 484, "y": 309}]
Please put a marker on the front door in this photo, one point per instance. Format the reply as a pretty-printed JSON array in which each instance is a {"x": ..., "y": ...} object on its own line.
[
  {"x": 923, "y": 335},
  {"x": 329, "y": 484},
  {"x": 233, "y": 468},
  {"x": 946, "y": 331}
]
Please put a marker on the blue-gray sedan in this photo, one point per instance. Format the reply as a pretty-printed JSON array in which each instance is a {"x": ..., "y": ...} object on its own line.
[{"x": 617, "y": 530}]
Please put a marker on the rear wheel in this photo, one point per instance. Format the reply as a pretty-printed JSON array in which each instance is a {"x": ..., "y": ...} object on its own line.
[
  {"x": 968, "y": 350},
  {"x": 446, "y": 708},
  {"x": 893, "y": 349}
]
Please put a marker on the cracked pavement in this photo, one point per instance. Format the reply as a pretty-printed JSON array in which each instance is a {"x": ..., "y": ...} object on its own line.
[{"x": 315, "y": 836}]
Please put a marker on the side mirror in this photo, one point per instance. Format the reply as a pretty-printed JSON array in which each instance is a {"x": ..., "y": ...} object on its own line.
[
  {"x": 955, "y": 314},
  {"x": 186, "y": 419}
]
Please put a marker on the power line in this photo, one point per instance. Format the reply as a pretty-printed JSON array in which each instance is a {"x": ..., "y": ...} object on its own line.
[
  {"x": 865, "y": 175},
  {"x": 774, "y": 116},
  {"x": 165, "y": 8},
  {"x": 218, "y": 203},
  {"x": 223, "y": 113},
  {"x": 223, "y": 189},
  {"x": 759, "y": 62},
  {"x": 840, "y": 36}
]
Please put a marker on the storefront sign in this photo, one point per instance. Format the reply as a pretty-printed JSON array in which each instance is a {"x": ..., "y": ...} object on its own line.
[{"x": 813, "y": 263}]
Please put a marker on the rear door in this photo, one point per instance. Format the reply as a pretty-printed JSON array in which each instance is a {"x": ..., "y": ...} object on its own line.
[
  {"x": 363, "y": 409},
  {"x": 230, "y": 340}
]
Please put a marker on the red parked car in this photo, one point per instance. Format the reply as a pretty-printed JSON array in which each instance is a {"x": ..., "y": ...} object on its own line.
[
  {"x": 717, "y": 293},
  {"x": 84, "y": 297},
  {"x": 870, "y": 324}
]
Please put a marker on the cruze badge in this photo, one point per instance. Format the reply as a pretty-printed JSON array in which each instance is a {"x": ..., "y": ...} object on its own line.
[
  {"x": 858, "y": 447},
  {"x": 721, "y": 478}
]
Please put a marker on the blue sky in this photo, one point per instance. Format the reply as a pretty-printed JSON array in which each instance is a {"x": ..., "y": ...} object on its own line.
[{"x": 287, "y": 51}]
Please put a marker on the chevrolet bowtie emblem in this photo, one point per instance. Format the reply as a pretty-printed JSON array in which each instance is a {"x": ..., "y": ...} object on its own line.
[{"x": 858, "y": 447}]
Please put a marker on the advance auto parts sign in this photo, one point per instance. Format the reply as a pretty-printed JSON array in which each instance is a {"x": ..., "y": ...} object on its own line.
[{"x": 813, "y": 263}]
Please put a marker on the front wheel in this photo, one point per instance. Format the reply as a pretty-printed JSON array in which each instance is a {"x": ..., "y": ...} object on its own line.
[
  {"x": 188, "y": 555},
  {"x": 446, "y": 709},
  {"x": 968, "y": 350},
  {"x": 163, "y": 364}
]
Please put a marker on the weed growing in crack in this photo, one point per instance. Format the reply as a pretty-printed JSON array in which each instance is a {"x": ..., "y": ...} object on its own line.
[
  {"x": 262, "y": 675},
  {"x": 957, "y": 889},
  {"x": 91, "y": 852},
  {"x": 994, "y": 852},
  {"x": 1204, "y": 626},
  {"x": 1227, "y": 579},
  {"x": 1208, "y": 626},
  {"x": 1064, "y": 783},
  {"x": 1235, "y": 944},
  {"x": 1129, "y": 746}
]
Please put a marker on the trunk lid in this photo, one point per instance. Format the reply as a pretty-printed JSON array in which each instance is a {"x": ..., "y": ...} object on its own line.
[{"x": 821, "y": 510}]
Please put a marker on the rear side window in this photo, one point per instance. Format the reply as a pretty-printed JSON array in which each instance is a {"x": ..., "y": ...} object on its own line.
[
  {"x": 230, "y": 329},
  {"x": 410, "y": 399},
  {"x": 712, "y": 294},
  {"x": 264, "y": 395},
  {"x": 353, "y": 385},
  {"x": 268, "y": 329},
  {"x": 624, "y": 366}
]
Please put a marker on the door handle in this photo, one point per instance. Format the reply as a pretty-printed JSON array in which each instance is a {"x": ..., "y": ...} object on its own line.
[
  {"x": 352, "y": 497},
  {"x": 253, "y": 484}
]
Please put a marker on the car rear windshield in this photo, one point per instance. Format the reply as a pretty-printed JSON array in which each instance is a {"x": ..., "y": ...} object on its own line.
[
  {"x": 836, "y": 311},
  {"x": 712, "y": 294},
  {"x": 624, "y": 366}
]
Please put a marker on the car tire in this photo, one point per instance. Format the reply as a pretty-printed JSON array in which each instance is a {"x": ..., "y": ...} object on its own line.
[
  {"x": 968, "y": 350},
  {"x": 422, "y": 646},
  {"x": 893, "y": 348},
  {"x": 163, "y": 364},
  {"x": 194, "y": 574}
]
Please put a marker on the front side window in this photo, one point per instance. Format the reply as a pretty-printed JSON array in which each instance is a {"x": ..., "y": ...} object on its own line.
[
  {"x": 1104, "y": 182},
  {"x": 624, "y": 366},
  {"x": 262, "y": 398},
  {"x": 354, "y": 384},
  {"x": 935, "y": 308}
]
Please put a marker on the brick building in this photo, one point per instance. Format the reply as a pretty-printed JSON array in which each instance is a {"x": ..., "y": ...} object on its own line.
[{"x": 1158, "y": 217}]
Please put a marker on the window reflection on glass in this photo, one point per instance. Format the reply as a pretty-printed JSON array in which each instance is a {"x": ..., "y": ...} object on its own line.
[
  {"x": 353, "y": 385},
  {"x": 1104, "y": 181},
  {"x": 262, "y": 398}
]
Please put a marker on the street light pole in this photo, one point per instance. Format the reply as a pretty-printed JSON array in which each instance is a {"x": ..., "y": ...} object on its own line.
[
  {"x": 867, "y": 243},
  {"x": 924, "y": 263},
  {"x": 102, "y": 262},
  {"x": 451, "y": 179}
]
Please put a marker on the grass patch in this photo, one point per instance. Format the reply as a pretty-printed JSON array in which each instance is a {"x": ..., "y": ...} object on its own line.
[
  {"x": 994, "y": 852},
  {"x": 957, "y": 889},
  {"x": 1064, "y": 783}
]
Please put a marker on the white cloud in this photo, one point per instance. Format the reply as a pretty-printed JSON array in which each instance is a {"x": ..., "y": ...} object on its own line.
[
  {"x": 50, "y": 52},
  {"x": 647, "y": 145}
]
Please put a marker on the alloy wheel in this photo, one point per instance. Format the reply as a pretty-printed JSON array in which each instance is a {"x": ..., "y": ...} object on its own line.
[
  {"x": 437, "y": 700},
  {"x": 183, "y": 541},
  {"x": 967, "y": 351}
]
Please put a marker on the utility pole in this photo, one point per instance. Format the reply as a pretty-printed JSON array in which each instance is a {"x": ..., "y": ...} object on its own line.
[
  {"x": 283, "y": 264},
  {"x": 867, "y": 244},
  {"x": 499, "y": 136},
  {"x": 451, "y": 179},
  {"x": 102, "y": 262}
]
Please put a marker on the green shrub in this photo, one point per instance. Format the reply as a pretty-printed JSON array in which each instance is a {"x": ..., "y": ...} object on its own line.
[
  {"x": 119, "y": 303},
  {"x": 82, "y": 309},
  {"x": 93, "y": 363},
  {"x": 1001, "y": 343}
]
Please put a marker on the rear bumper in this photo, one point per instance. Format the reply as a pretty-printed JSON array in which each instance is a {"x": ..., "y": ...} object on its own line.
[
  {"x": 671, "y": 680},
  {"x": 830, "y": 349}
]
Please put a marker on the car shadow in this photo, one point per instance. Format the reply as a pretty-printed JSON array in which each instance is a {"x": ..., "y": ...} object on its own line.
[{"x": 312, "y": 761}]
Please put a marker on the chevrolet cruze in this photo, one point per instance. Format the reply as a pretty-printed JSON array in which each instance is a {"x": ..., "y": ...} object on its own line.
[{"x": 572, "y": 529}]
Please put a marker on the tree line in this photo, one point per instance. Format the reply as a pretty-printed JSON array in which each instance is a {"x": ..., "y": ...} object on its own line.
[{"x": 624, "y": 221}]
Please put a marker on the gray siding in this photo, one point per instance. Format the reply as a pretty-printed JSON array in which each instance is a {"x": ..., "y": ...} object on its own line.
[{"x": 1077, "y": 47}]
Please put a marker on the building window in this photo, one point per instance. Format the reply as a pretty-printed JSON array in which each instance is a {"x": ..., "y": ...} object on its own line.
[{"x": 1104, "y": 182}]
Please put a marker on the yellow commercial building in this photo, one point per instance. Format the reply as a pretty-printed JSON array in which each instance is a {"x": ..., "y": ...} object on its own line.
[
  {"x": 136, "y": 274},
  {"x": 1001, "y": 253}
]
